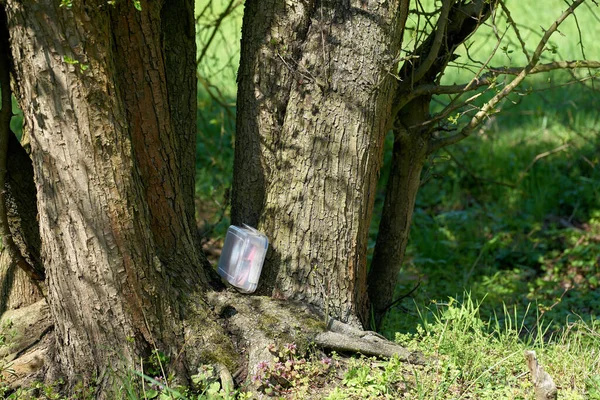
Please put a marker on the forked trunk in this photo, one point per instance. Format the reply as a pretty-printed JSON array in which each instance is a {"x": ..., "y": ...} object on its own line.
[
  {"x": 113, "y": 172},
  {"x": 314, "y": 101}
]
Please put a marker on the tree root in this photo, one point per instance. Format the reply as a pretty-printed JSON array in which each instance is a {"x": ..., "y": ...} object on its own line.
[
  {"x": 346, "y": 338},
  {"x": 258, "y": 322},
  {"x": 30, "y": 344}
]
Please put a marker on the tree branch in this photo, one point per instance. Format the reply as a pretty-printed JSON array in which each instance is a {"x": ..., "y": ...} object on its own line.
[
  {"x": 217, "y": 25},
  {"x": 403, "y": 15},
  {"x": 462, "y": 21},
  {"x": 437, "y": 41},
  {"x": 488, "y": 78},
  {"x": 515, "y": 28},
  {"x": 488, "y": 108}
]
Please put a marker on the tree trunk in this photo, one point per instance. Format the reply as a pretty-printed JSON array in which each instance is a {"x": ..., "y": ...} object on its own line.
[
  {"x": 112, "y": 166},
  {"x": 179, "y": 41},
  {"x": 314, "y": 102},
  {"x": 412, "y": 138},
  {"x": 17, "y": 289},
  {"x": 408, "y": 157}
]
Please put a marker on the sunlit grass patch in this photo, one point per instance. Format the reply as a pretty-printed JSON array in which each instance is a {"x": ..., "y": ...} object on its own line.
[{"x": 483, "y": 358}]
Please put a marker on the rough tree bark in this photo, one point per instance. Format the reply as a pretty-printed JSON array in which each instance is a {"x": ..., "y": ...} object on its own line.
[
  {"x": 18, "y": 262},
  {"x": 110, "y": 133},
  {"x": 314, "y": 102},
  {"x": 16, "y": 287}
]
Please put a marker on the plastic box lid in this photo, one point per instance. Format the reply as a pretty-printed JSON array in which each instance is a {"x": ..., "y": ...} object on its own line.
[{"x": 242, "y": 257}]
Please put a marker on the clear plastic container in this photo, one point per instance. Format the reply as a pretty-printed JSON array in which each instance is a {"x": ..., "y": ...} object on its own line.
[{"x": 242, "y": 257}]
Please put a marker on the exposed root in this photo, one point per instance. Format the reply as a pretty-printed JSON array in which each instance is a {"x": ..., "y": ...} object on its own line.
[
  {"x": 369, "y": 344},
  {"x": 30, "y": 338},
  {"x": 225, "y": 377},
  {"x": 259, "y": 322}
]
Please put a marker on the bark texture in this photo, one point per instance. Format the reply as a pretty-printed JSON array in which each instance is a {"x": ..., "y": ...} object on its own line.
[
  {"x": 8, "y": 242},
  {"x": 160, "y": 139},
  {"x": 20, "y": 260},
  {"x": 314, "y": 102},
  {"x": 108, "y": 143},
  {"x": 17, "y": 289},
  {"x": 179, "y": 43}
]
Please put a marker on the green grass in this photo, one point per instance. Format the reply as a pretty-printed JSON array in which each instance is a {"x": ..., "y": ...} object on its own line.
[{"x": 483, "y": 358}]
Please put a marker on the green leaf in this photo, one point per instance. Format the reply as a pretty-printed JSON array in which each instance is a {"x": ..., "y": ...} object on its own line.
[
  {"x": 70, "y": 60},
  {"x": 214, "y": 388},
  {"x": 151, "y": 394},
  {"x": 137, "y": 5}
]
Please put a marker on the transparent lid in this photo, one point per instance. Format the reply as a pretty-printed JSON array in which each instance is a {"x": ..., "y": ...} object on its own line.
[{"x": 242, "y": 257}]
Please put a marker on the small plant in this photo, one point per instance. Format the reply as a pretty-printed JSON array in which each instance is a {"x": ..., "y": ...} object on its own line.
[
  {"x": 66, "y": 4},
  {"x": 288, "y": 372},
  {"x": 72, "y": 61},
  {"x": 371, "y": 378}
]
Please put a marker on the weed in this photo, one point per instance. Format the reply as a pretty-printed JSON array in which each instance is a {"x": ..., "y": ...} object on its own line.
[{"x": 290, "y": 372}]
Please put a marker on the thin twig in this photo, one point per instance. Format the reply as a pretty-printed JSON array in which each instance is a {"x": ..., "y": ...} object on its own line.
[
  {"x": 488, "y": 108},
  {"x": 538, "y": 158},
  {"x": 515, "y": 28},
  {"x": 217, "y": 25},
  {"x": 399, "y": 299},
  {"x": 487, "y": 78},
  {"x": 486, "y": 63}
]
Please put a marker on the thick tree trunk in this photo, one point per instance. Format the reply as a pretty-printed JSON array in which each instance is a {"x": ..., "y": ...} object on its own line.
[
  {"x": 161, "y": 140},
  {"x": 314, "y": 102},
  {"x": 118, "y": 240},
  {"x": 179, "y": 41},
  {"x": 409, "y": 156}
]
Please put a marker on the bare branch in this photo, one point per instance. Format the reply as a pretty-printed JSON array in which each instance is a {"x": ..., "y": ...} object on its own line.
[
  {"x": 547, "y": 67},
  {"x": 217, "y": 24},
  {"x": 437, "y": 41},
  {"x": 403, "y": 15},
  {"x": 515, "y": 28},
  {"x": 489, "y": 59},
  {"x": 449, "y": 110},
  {"x": 488, "y": 108},
  {"x": 463, "y": 20},
  {"x": 488, "y": 78},
  {"x": 537, "y": 158}
]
